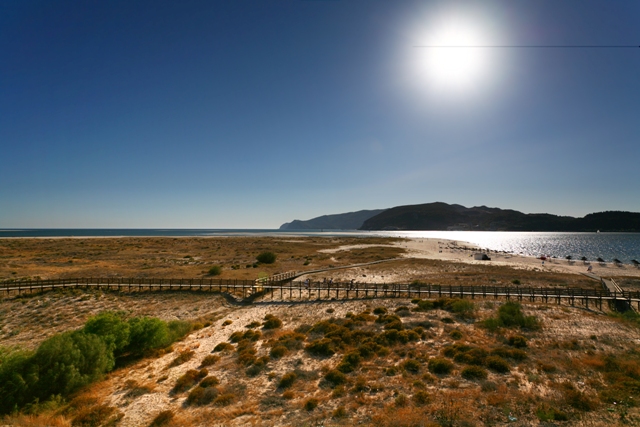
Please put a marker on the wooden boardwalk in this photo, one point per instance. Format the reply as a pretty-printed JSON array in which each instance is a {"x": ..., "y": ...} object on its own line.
[{"x": 282, "y": 288}]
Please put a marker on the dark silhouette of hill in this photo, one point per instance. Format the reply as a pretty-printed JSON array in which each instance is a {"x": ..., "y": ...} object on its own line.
[
  {"x": 442, "y": 216},
  {"x": 345, "y": 221}
]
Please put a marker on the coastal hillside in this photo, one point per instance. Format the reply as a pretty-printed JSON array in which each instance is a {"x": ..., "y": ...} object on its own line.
[
  {"x": 345, "y": 221},
  {"x": 442, "y": 216}
]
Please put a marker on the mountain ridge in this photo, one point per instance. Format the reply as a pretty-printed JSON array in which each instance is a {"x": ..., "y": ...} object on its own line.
[{"x": 442, "y": 216}]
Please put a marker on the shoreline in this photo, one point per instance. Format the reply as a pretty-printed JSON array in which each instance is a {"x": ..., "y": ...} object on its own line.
[{"x": 435, "y": 249}]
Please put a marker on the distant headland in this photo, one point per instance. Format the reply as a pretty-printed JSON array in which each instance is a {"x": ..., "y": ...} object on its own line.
[{"x": 442, "y": 216}]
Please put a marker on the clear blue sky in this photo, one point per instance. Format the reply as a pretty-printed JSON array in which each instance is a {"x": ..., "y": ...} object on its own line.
[{"x": 248, "y": 114}]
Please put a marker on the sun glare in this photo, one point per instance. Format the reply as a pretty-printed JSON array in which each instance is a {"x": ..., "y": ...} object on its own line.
[{"x": 453, "y": 57}]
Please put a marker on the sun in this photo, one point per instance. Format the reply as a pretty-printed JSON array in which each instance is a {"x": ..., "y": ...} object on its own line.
[{"x": 456, "y": 56}]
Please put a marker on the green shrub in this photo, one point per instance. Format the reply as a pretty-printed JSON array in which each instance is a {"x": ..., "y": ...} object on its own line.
[
  {"x": 162, "y": 419},
  {"x": 311, "y": 404},
  {"x": 424, "y": 305},
  {"x": 18, "y": 376},
  {"x": 388, "y": 318},
  {"x": 440, "y": 366},
  {"x": 412, "y": 366},
  {"x": 421, "y": 398},
  {"x": 547, "y": 413},
  {"x": 335, "y": 377},
  {"x": 178, "y": 329},
  {"x": 246, "y": 353},
  {"x": 396, "y": 324},
  {"x": 64, "y": 363},
  {"x": 287, "y": 380},
  {"x": 216, "y": 270},
  {"x": 266, "y": 257},
  {"x": 367, "y": 350},
  {"x": 251, "y": 335},
  {"x": 474, "y": 356},
  {"x": 278, "y": 351},
  {"x": 340, "y": 412},
  {"x": 510, "y": 315},
  {"x": 492, "y": 324},
  {"x": 236, "y": 337},
  {"x": 225, "y": 399},
  {"x": 323, "y": 348},
  {"x": 455, "y": 334},
  {"x": 201, "y": 396},
  {"x": 517, "y": 354},
  {"x": 209, "y": 360},
  {"x": 463, "y": 308},
  {"x": 147, "y": 333},
  {"x": 209, "y": 382},
  {"x": 403, "y": 313},
  {"x": 223, "y": 346},
  {"x": 254, "y": 370},
  {"x": 271, "y": 322},
  {"x": 380, "y": 310},
  {"x": 497, "y": 364},
  {"x": 188, "y": 380},
  {"x": 111, "y": 327},
  {"x": 401, "y": 401},
  {"x": 183, "y": 357},
  {"x": 349, "y": 362},
  {"x": 578, "y": 400},
  {"x": 289, "y": 340},
  {"x": 474, "y": 373}
]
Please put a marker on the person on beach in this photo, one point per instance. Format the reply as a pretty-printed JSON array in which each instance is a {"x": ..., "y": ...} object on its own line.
[{"x": 589, "y": 269}]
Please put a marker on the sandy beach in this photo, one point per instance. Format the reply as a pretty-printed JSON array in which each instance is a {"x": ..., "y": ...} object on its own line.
[{"x": 448, "y": 250}]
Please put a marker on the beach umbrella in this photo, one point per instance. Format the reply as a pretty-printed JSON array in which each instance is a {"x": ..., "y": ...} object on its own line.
[
  {"x": 569, "y": 258},
  {"x": 600, "y": 260},
  {"x": 635, "y": 262},
  {"x": 617, "y": 261},
  {"x": 583, "y": 259}
]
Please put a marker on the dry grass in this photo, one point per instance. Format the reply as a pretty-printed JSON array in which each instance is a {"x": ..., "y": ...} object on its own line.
[{"x": 175, "y": 257}]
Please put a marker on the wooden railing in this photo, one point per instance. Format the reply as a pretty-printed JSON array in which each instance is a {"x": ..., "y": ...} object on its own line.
[{"x": 280, "y": 288}]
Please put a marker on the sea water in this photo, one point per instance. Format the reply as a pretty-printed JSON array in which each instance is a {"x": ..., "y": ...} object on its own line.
[{"x": 623, "y": 246}]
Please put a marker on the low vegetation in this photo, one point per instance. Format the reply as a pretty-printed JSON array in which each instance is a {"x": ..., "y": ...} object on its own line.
[
  {"x": 266, "y": 257},
  {"x": 510, "y": 315},
  {"x": 65, "y": 362},
  {"x": 438, "y": 362}
]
